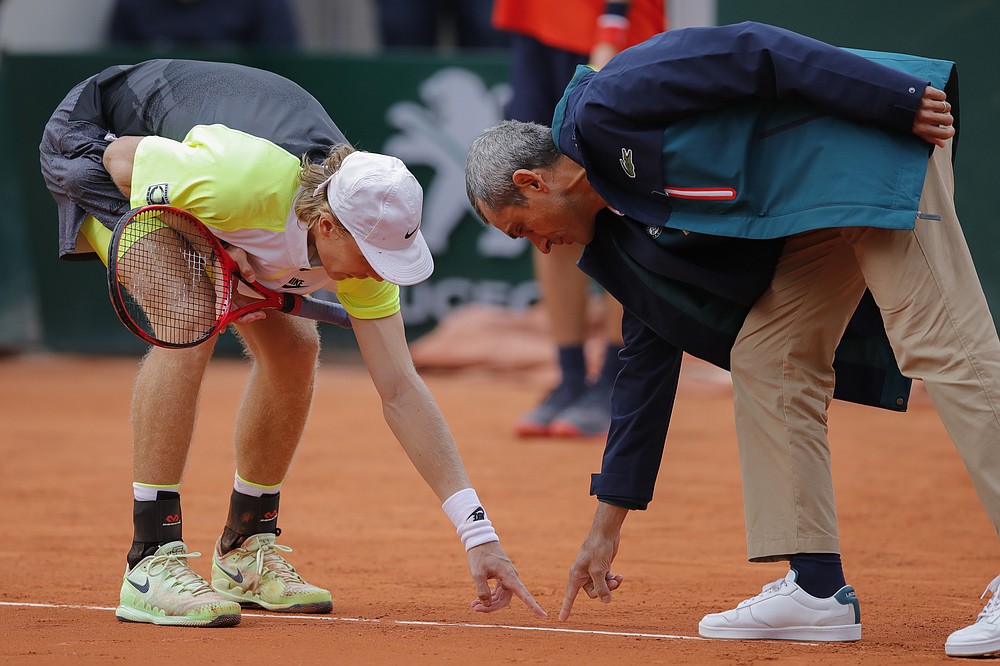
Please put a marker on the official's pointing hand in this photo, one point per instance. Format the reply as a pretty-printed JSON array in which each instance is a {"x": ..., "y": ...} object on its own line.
[
  {"x": 591, "y": 572},
  {"x": 592, "y": 569}
]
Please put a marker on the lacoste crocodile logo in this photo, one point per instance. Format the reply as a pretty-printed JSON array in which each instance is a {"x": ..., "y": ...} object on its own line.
[
  {"x": 143, "y": 589},
  {"x": 238, "y": 576},
  {"x": 626, "y": 162}
]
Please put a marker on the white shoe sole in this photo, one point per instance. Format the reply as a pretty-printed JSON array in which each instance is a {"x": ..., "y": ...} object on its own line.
[
  {"x": 126, "y": 614},
  {"x": 977, "y": 649},
  {"x": 839, "y": 633}
]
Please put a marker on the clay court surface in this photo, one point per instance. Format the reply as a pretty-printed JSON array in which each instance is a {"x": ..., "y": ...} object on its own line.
[{"x": 917, "y": 545}]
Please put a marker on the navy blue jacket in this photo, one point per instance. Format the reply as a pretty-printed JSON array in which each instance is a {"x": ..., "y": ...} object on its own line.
[{"x": 691, "y": 292}]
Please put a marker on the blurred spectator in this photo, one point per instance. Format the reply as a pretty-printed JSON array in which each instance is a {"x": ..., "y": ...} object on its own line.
[
  {"x": 215, "y": 24},
  {"x": 549, "y": 40},
  {"x": 424, "y": 23}
]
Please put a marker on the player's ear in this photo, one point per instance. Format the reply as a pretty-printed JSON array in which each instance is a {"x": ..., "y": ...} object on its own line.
[
  {"x": 327, "y": 226},
  {"x": 529, "y": 179}
]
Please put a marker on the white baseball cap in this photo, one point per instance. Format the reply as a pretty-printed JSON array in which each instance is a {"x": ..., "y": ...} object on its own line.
[{"x": 379, "y": 201}]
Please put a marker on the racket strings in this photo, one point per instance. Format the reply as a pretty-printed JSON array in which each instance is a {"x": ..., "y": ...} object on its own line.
[{"x": 175, "y": 287}]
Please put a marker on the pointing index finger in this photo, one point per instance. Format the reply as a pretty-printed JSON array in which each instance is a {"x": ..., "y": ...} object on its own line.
[
  {"x": 572, "y": 589},
  {"x": 515, "y": 585}
]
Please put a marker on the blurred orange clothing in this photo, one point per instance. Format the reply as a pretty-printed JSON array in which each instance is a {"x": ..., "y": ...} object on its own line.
[{"x": 571, "y": 25}]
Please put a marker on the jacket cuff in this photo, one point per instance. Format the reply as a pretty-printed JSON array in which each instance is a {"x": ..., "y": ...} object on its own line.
[{"x": 616, "y": 489}]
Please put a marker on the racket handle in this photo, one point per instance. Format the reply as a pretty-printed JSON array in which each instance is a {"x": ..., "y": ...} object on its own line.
[{"x": 312, "y": 308}]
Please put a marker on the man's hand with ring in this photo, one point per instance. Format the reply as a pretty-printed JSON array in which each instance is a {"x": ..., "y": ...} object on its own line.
[{"x": 933, "y": 121}]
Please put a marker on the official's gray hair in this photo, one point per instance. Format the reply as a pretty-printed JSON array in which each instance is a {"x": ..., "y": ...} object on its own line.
[{"x": 499, "y": 152}]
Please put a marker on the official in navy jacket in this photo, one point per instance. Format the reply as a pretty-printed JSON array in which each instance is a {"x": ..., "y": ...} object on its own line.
[{"x": 754, "y": 197}]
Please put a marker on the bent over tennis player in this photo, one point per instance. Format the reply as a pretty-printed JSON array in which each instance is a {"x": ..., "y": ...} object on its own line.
[{"x": 258, "y": 160}]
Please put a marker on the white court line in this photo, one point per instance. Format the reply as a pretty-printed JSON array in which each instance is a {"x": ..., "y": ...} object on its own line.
[{"x": 463, "y": 625}]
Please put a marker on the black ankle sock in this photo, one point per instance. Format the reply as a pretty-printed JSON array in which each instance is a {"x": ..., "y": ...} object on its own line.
[
  {"x": 819, "y": 574},
  {"x": 154, "y": 524},
  {"x": 140, "y": 551},
  {"x": 249, "y": 515}
]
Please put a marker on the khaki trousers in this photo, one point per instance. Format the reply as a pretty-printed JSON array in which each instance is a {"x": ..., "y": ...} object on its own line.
[{"x": 940, "y": 329}]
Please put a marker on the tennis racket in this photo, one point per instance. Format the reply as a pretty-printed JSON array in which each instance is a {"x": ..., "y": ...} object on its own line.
[{"x": 173, "y": 284}]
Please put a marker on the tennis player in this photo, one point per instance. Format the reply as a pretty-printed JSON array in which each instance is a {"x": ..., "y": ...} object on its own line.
[{"x": 258, "y": 160}]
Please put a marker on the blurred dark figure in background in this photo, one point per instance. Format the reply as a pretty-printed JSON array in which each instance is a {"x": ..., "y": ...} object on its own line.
[
  {"x": 216, "y": 24},
  {"x": 548, "y": 41},
  {"x": 418, "y": 23}
]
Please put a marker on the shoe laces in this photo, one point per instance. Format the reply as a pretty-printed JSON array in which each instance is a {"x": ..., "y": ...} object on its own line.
[
  {"x": 766, "y": 591},
  {"x": 993, "y": 605},
  {"x": 270, "y": 560},
  {"x": 181, "y": 574}
]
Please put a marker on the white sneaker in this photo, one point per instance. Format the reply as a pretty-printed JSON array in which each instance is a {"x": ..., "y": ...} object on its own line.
[
  {"x": 784, "y": 611},
  {"x": 983, "y": 637}
]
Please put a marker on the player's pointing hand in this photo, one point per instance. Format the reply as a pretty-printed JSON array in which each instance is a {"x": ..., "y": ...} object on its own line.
[{"x": 490, "y": 562}]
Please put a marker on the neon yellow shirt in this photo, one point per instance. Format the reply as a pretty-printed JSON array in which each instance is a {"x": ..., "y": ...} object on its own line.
[{"x": 242, "y": 187}]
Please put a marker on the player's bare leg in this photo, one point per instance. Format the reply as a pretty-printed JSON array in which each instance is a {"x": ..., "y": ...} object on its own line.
[
  {"x": 159, "y": 586},
  {"x": 164, "y": 406},
  {"x": 272, "y": 416},
  {"x": 248, "y": 566}
]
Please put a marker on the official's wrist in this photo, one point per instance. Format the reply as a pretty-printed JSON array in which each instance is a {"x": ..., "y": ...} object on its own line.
[{"x": 469, "y": 517}]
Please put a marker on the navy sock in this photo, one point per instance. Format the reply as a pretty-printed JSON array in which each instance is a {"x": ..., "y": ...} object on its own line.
[
  {"x": 612, "y": 364},
  {"x": 572, "y": 365},
  {"x": 819, "y": 574}
]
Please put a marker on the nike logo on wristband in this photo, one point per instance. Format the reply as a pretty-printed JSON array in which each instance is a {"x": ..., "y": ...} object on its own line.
[{"x": 478, "y": 514}]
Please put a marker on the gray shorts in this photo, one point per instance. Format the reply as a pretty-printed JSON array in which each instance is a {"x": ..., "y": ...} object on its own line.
[{"x": 71, "y": 155}]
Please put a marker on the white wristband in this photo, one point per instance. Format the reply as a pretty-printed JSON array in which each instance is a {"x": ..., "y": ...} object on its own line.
[{"x": 469, "y": 518}]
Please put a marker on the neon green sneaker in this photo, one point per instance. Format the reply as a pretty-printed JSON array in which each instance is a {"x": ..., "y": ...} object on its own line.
[
  {"x": 257, "y": 574},
  {"x": 164, "y": 589}
]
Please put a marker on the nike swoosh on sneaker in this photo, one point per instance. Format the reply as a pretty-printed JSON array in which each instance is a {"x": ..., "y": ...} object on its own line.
[
  {"x": 142, "y": 588},
  {"x": 238, "y": 576}
]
